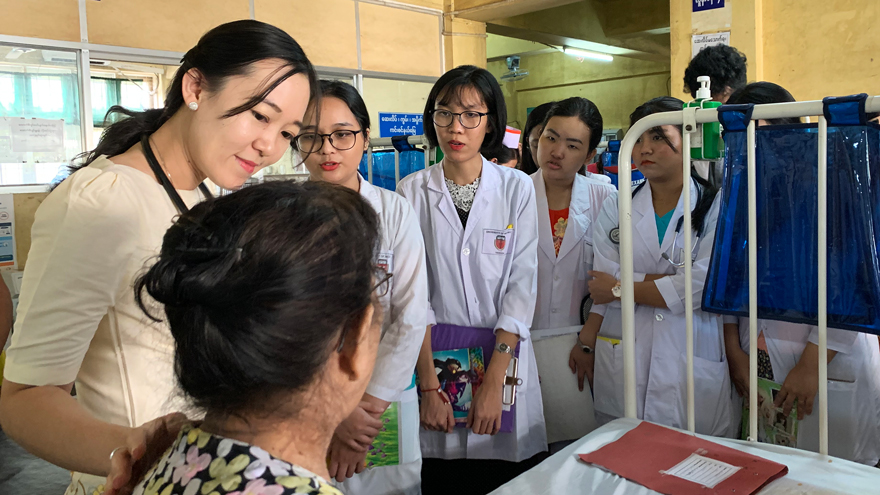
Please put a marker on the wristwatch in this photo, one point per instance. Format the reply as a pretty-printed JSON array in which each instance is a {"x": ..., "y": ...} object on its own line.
[
  {"x": 504, "y": 348},
  {"x": 615, "y": 291},
  {"x": 584, "y": 347}
]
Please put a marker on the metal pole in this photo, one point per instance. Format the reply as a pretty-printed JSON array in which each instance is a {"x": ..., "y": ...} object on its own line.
[
  {"x": 627, "y": 296},
  {"x": 688, "y": 276},
  {"x": 753, "y": 284},
  {"x": 823, "y": 285}
]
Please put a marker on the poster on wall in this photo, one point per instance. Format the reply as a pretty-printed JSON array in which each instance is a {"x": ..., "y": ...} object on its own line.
[
  {"x": 701, "y": 5},
  {"x": 700, "y": 41},
  {"x": 400, "y": 124},
  {"x": 37, "y": 135},
  {"x": 8, "y": 259}
]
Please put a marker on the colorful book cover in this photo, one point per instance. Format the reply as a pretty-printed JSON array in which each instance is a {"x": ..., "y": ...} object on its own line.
[
  {"x": 460, "y": 372},
  {"x": 773, "y": 426},
  {"x": 385, "y": 450}
]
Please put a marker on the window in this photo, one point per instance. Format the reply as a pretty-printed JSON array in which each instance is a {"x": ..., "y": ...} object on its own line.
[
  {"x": 131, "y": 85},
  {"x": 44, "y": 85}
]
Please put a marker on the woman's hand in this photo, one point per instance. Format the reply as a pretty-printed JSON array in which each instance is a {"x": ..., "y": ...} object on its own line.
[
  {"x": 738, "y": 364},
  {"x": 582, "y": 364},
  {"x": 358, "y": 430},
  {"x": 436, "y": 414},
  {"x": 600, "y": 287},
  {"x": 144, "y": 447},
  {"x": 799, "y": 389},
  {"x": 345, "y": 461},
  {"x": 484, "y": 416}
]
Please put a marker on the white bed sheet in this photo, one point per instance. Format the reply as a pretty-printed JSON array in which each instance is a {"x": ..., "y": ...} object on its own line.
[{"x": 808, "y": 473}]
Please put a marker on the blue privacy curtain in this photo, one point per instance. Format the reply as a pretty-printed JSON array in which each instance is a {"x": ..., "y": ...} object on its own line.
[
  {"x": 383, "y": 166},
  {"x": 787, "y": 163}
]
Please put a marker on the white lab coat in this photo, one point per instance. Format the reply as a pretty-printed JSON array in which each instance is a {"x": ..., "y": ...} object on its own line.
[
  {"x": 402, "y": 249},
  {"x": 471, "y": 284},
  {"x": 661, "y": 386},
  {"x": 562, "y": 285},
  {"x": 853, "y": 385},
  {"x": 562, "y": 279}
]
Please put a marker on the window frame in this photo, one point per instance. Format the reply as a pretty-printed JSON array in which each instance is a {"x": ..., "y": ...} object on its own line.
[{"x": 86, "y": 51}]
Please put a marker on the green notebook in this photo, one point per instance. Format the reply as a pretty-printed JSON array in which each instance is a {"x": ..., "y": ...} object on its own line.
[
  {"x": 773, "y": 426},
  {"x": 385, "y": 450}
]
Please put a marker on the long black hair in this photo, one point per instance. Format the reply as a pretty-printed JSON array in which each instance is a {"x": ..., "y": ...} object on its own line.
[
  {"x": 449, "y": 88},
  {"x": 764, "y": 92},
  {"x": 259, "y": 287},
  {"x": 535, "y": 118},
  {"x": 227, "y": 50},
  {"x": 707, "y": 197}
]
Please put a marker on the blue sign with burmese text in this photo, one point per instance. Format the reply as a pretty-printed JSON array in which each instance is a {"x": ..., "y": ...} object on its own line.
[
  {"x": 700, "y": 5},
  {"x": 400, "y": 124}
]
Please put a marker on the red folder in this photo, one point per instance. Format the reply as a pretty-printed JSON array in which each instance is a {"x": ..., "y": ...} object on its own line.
[{"x": 647, "y": 453}]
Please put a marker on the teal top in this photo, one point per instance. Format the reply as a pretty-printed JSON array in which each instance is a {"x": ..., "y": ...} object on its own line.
[{"x": 663, "y": 224}]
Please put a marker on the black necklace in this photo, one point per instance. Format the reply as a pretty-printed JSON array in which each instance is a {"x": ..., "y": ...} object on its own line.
[{"x": 163, "y": 179}]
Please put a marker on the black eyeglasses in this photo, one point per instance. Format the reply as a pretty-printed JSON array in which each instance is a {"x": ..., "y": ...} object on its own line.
[
  {"x": 468, "y": 120},
  {"x": 310, "y": 142},
  {"x": 381, "y": 289}
]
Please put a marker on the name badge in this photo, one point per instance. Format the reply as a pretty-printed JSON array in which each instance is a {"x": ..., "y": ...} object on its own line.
[
  {"x": 385, "y": 261},
  {"x": 497, "y": 241}
]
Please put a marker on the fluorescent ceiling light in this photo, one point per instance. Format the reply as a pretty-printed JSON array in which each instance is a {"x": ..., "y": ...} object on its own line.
[{"x": 586, "y": 54}]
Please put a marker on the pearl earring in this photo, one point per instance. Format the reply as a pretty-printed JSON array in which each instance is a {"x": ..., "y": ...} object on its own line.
[{"x": 193, "y": 106}]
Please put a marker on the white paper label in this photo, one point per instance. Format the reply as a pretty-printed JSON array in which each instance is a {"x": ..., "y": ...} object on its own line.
[
  {"x": 703, "y": 470},
  {"x": 700, "y": 41},
  {"x": 38, "y": 135}
]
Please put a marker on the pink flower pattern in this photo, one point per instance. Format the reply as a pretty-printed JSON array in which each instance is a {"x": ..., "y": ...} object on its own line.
[
  {"x": 194, "y": 464},
  {"x": 258, "y": 487}
]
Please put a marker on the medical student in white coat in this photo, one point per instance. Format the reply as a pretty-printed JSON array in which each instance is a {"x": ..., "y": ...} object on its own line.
[
  {"x": 333, "y": 151},
  {"x": 572, "y": 130},
  {"x": 568, "y": 207},
  {"x": 479, "y": 224},
  {"x": 788, "y": 354},
  {"x": 657, "y": 209}
]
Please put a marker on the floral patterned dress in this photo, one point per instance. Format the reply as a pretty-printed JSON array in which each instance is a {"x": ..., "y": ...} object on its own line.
[{"x": 200, "y": 463}]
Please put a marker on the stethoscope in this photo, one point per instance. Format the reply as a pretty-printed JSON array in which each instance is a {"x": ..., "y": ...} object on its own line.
[{"x": 680, "y": 251}]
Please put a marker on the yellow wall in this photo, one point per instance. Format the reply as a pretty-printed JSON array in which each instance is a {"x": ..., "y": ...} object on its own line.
[
  {"x": 337, "y": 16},
  {"x": 617, "y": 88},
  {"x": 158, "y": 24},
  {"x": 813, "y": 48},
  {"x": 395, "y": 40},
  {"x": 326, "y": 29},
  {"x": 464, "y": 43},
  {"x": 822, "y": 48},
  {"x": 52, "y": 19}
]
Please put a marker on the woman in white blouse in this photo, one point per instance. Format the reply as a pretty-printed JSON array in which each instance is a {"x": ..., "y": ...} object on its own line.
[
  {"x": 335, "y": 147},
  {"x": 234, "y": 106}
]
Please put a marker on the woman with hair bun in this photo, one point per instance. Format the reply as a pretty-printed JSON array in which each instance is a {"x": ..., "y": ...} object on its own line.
[{"x": 272, "y": 297}]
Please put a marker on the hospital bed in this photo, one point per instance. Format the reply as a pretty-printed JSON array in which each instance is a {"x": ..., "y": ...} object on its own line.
[{"x": 808, "y": 472}]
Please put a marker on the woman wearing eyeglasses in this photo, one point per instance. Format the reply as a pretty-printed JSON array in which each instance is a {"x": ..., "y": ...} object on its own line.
[
  {"x": 479, "y": 222},
  {"x": 333, "y": 150},
  {"x": 658, "y": 259}
]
